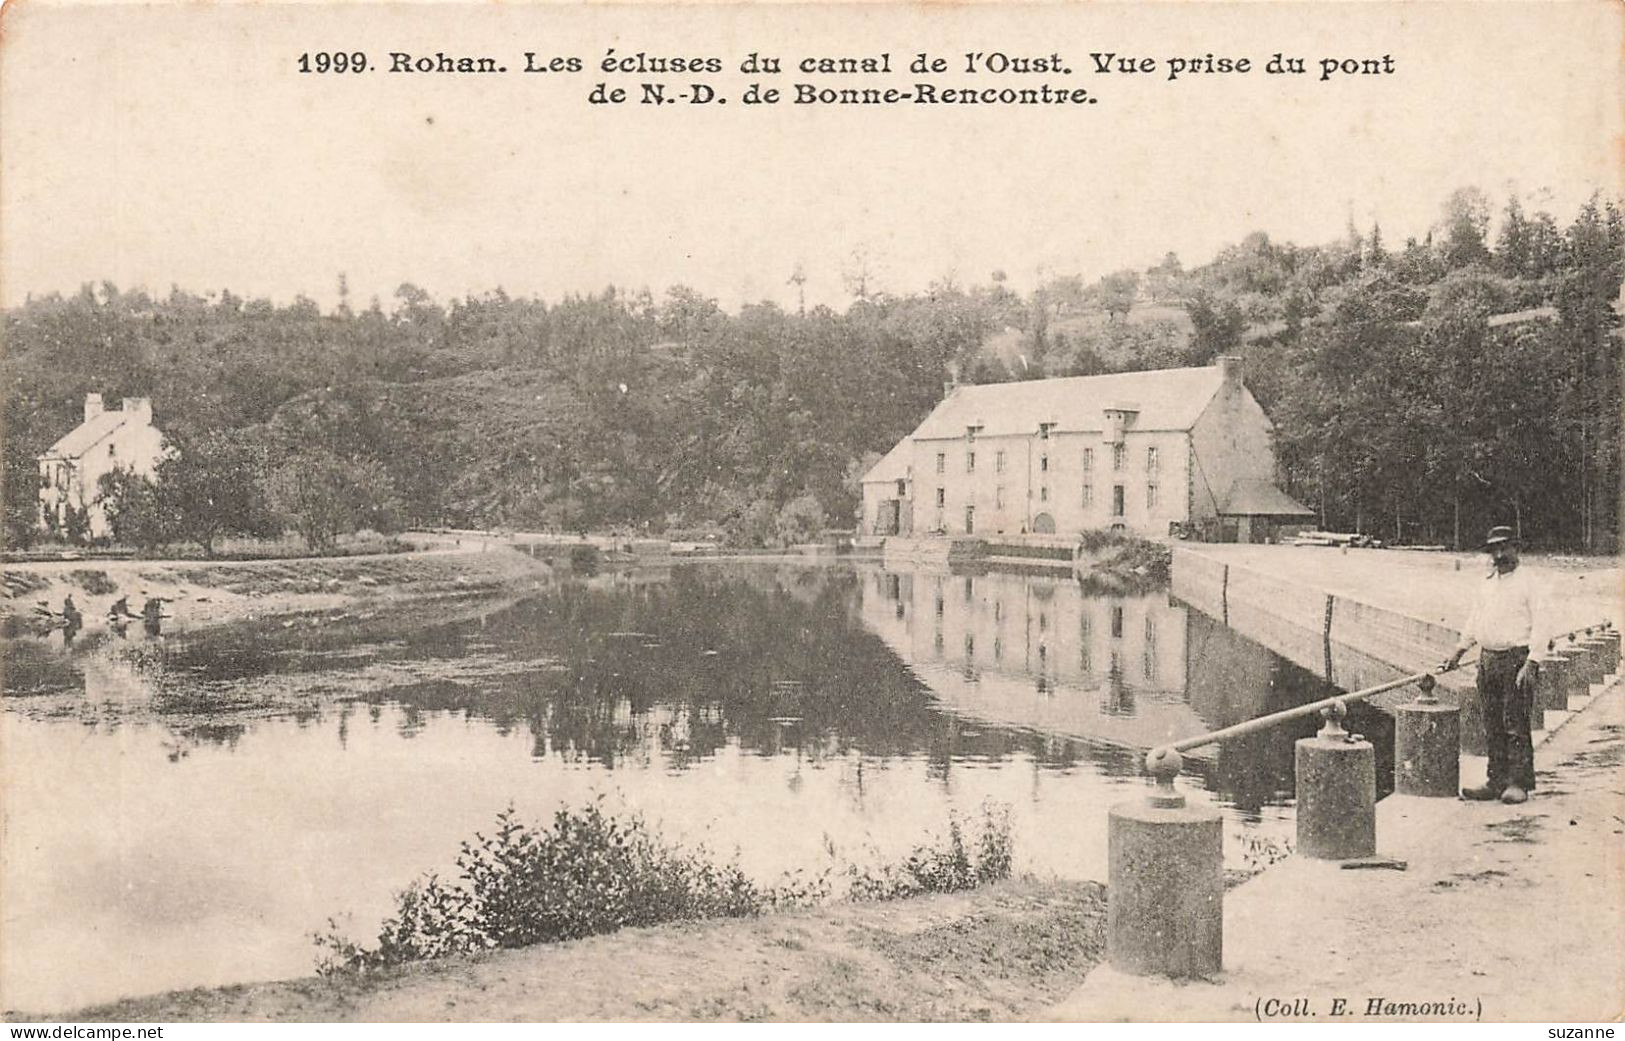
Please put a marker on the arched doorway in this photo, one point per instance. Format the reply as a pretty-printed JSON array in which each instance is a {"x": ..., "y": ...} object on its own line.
[{"x": 1044, "y": 524}]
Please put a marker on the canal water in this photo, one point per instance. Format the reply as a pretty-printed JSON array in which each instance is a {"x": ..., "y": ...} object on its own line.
[{"x": 189, "y": 811}]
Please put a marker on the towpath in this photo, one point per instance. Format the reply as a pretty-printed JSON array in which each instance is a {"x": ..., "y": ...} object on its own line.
[
  {"x": 1433, "y": 587},
  {"x": 1504, "y": 913}
]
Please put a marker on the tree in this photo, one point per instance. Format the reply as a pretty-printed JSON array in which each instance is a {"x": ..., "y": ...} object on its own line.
[
  {"x": 134, "y": 510},
  {"x": 800, "y": 520},
  {"x": 209, "y": 487},
  {"x": 322, "y": 496}
]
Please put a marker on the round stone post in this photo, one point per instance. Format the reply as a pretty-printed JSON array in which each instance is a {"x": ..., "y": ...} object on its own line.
[
  {"x": 1427, "y": 747},
  {"x": 1337, "y": 792},
  {"x": 1576, "y": 679},
  {"x": 1595, "y": 651},
  {"x": 1610, "y": 655},
  {"x": 1165, "y": 887},
  {"x": 1552, "y": 688}
]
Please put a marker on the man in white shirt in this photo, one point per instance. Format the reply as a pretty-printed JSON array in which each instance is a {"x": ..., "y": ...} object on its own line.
[{"x": 1507, "y": 622}]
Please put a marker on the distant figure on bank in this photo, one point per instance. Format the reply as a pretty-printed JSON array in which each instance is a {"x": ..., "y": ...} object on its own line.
[
  {"x": 120, "y": 609},
  {"x": 152, "y": 613},
  {"x": 1507, "y": 622},
  {"x": 72, "y": 620}
]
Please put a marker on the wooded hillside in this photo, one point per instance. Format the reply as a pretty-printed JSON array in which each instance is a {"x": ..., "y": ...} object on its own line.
[{"x": 1401, "y": 407}]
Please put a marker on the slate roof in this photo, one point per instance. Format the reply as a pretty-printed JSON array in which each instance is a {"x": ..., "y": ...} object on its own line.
[
  {"x": 1253, "y": 498},
  {"x": 83, "y": 437},
  {"x": 893, "y": 466},
  {"x": 1166, "y": 399}
]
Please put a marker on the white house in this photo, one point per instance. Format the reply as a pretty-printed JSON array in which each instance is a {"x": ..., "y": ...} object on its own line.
[
  {"x": 1132, "y": 451},
  {"x": 107, "y": 440}
]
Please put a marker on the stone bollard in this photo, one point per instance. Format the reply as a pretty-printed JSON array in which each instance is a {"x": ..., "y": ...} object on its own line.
[
  {"x": 1427, "y": 746},
  {"x": 1165, "y": 882},
  {"x": 1576, "y": 678},
  {"x": 1610, "y": 637},
  {"x": 1596, "y": 651},
  {"x": 1552, "y": 687},
  {"x": 1337, "y": 792}
]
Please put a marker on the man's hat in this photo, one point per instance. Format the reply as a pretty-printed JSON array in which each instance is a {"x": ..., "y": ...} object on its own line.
[{"x": 1499, "y": 535}]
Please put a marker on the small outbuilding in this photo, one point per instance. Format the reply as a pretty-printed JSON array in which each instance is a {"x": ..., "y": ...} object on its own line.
[{"x": 1258, "y": 511}]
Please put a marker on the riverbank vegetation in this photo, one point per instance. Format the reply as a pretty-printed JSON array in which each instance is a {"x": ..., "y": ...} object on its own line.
[
  {"x": 1420, "y": 389},
  {"x": 592, "y": 872}
]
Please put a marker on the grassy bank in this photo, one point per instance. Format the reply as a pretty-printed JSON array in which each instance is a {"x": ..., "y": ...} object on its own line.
[{"x": 1002, "y": 952}]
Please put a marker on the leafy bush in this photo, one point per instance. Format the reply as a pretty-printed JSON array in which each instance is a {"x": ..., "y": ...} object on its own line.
[
  {"x": 592, "y": 873},
  {"x": 946, "y": 867},
  {"x": 589, "y": 873}
]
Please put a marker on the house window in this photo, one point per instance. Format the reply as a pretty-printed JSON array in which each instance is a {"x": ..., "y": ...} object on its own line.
[
  {"x": 998, "y": 461},
  {"x": 998, "y": 497},
  {"x": 942, "y": 462},
  {"x": 110, "y": 450},
  {"x": 1088, "y": 459},
  {"x": 970, "y": 462},
  {"x": 1088, "y": 494},
  {"x": 1119, "y": 455},
  {"x": 1151, "y": 496},
  {"x": 1117, "y": 500},
  {"x": 1117, "y": 621},
  {"x": 942, "y": 496},
  {"x": 970, "y": 646},
  {"x": 902, "y": 489},
  {"x": 1044, "y": 429},
  {"x": 1150, "y": 460},
  {"x": 1043, "y": 463},
  {"x": 1043, "y": 494}
]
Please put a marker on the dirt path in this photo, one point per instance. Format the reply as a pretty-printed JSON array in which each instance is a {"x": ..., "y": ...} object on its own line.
[{"x": 1004, "y": 952}]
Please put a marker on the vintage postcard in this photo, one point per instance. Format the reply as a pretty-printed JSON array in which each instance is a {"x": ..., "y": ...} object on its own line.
[{"x": 569, "y": 512}]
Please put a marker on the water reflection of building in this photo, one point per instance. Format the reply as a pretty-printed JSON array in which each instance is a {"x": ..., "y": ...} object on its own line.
[
  {"x": 1033, "y": 650},
  {"x": 1135, "y": 670}
]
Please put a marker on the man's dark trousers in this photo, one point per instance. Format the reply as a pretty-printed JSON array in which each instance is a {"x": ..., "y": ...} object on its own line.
[{"x": 1506, "y": 719}]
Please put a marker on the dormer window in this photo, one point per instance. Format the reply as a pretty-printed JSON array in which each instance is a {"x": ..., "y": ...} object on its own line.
[
  {"x": 1044, "y": 430},
  {"x": 972, "y": 430}
]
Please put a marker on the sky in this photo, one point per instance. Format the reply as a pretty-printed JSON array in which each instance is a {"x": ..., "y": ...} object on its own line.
[{"x": 178, "y": 145}]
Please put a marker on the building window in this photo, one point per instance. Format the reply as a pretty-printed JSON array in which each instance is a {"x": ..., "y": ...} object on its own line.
[
  {"x": 1088, "y": 495},
  {"x": 110, "y": 450},
  {"x": 1043, "y": 463},
  {"x": 942, "y": 496},
  {"x": 998, "y": 461},
  {"x": 1150, "y": 460},
  {"x": 1044, "y": 429},
  {"x": 998, "y": 497},
  {"x": 942, "y": 462},
  {"x": 970, "y": 462},
  {"x": 1117, "y": 621},
  {"x": 1151, "y": 496},
  {"x": 1117, "y": 500},
  {"x": 1088, "y": 460},
  {"x": 1043, "y": 494},
  {"x": 1119, "y": 455},
  {"x": 902, "y": 489}
]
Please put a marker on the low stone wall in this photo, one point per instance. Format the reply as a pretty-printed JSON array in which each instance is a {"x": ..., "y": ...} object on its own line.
[{"x": 1350, "y": 643}]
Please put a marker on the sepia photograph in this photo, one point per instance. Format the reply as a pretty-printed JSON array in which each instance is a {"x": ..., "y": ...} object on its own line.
[{"x": 557, "y": 512}]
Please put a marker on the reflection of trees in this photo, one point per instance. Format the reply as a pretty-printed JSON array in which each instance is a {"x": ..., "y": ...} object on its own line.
[{"x": 773, "y": 658}]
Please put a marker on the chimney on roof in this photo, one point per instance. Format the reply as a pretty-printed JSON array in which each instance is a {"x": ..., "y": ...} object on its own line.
[
  {"x": 93, "y": 406},
  {"x": 1230, "y": 369},
  {"x": 140, "y": 408}
]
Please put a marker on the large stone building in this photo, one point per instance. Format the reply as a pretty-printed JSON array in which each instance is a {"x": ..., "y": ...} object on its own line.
[
  {"x": 107, "y": 440},
  {"x": 1133, "y": 451}
]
